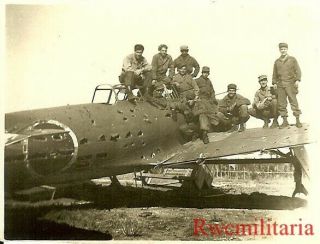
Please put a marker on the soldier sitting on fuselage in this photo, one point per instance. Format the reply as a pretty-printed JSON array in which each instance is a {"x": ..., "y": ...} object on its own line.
[{"x": 265, "y": 104}]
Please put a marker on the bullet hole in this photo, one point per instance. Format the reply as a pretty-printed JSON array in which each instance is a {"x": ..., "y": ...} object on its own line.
[
  {"x": 120, "y": 111},
  {"x": 143, "y": 157},
  {"x": 153, "y": 155},
  {"x": 131, "y": 110},
  {"x": 144, "y": 144},
  {"x": 128, "y": 134},
  {"x": 133, "y": 115},
  {"x": 140, "y": 133},
  {"x": 125, "y": 118},
  {"x": 102, "y": 138},
  {"x": 83, "y": 141},
  {"x": 101, "y": 155},
  {"x": 114, "y": 137},
  {"x": 93, "y": 122},
  {"x": 158, "y": 150}
]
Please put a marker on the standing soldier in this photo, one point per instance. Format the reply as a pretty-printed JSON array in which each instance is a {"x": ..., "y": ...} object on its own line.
[
  {"x": 161, "y": 63},
  {"x": 191, "y": 63},
  {"x": 184, "y": 84},
  {"x": 265, "y": 104},
  {"x": 136, "y": 72},
  {"x": 205, "y": 85},
  {"x": 286, "y": 78},
  {"x": 235, "y": 107}
]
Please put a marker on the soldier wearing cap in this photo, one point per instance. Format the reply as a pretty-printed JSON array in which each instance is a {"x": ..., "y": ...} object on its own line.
[
  {"x": 235, "y": 108},
  {"x": 264, "y": 105},
  {"x": 206, "y": 90},
  {"x": 184, "y": 83},
  {"x": 286, "y": 78},
  {"x": 161, "y": 63},
  {"x": 136, "y": 72},
  {"x": 190, "y": 62}
]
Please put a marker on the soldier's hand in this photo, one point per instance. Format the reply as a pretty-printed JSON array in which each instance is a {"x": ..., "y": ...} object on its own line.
[
  {"x": 138, "y": 72},
  {"x": 296, "y": 84}
]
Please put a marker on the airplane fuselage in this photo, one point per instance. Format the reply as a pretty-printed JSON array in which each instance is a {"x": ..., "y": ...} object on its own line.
[{"x": 97, "y": 140}]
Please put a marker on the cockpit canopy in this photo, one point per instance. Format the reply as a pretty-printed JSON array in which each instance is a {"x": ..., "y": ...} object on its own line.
[{"x": 110, "y": 94}]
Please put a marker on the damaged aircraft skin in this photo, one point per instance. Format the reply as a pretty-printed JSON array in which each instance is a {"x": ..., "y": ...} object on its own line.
[
  {"x": 87, "y": 141},
  {"x": 80, "y": 142}
]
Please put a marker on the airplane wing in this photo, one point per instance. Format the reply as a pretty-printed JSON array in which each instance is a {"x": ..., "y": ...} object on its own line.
[{"x": 235, "y": 143}]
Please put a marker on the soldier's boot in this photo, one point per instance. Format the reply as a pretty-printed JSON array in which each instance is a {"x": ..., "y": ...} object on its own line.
[
  {"x": 266, "y": 123},
  {"x": 194, "y": 137},
  {"x": 298, "y": 123},
  {"x": 205, "y": 137},
  {"x": 275, "y": 123},
  {"x": 234, "y": 128},
  {"x": 285, "y": 123},
  {"x": 131, "y": 97},
  {"x": 242, "y": 127}
]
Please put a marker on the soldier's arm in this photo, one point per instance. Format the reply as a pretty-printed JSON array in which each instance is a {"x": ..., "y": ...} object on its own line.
[
  {"x": 171, "y": 68},
  {"x": 146, "y": 66},
  {"x": 242, "y": 100},
  {"x": 154, "y": 67},
  {"x": 223, "y": 108},
  {"x": 275, "y": 74},
  {"x": 127, "y": 64},
  {"x": 297, "y": 70},
  {"x": 196, "y": 68},
  {"x": 195, "y": 87}
]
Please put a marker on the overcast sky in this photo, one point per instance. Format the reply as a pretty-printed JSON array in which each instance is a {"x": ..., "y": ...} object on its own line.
[{"x": 56, "y": 54}]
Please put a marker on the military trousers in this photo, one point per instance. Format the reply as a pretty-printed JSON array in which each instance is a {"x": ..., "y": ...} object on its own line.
[
  {"x": 189, "y": 129},
  {"x": 208, "y": 122},
  {"x": 285, "y": 93},
  {"x": 267, "y": 113},
  {"x": 132, "y": 80},
  {"x": 239, "y": 115}
]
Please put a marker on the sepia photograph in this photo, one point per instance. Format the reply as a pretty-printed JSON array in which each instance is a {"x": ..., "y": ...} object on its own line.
[{"x": 160, "y": 120}]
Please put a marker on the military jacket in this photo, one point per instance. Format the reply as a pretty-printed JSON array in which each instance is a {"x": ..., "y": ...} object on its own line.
[
  {"x": 130, "y": 63},
  {"x": 190, "y": 63},
  {"x": 260, "y": 97},
  {"x": 286, "y": 71},
  {"x": 205, "y": 87},
  {"x": 227, "y": 102},
  {"x": 186, "y": 85},
  {"x": 160, "y": 66}
]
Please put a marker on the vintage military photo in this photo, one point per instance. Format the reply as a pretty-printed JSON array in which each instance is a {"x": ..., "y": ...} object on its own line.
[{"x": 160, "y": 120}]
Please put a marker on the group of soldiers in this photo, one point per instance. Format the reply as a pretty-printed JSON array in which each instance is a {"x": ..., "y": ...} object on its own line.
[{"x": 197, "y": 101}]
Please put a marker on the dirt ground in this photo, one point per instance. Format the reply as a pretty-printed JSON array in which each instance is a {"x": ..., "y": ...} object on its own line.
[{"x": 99, "y": 211}]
